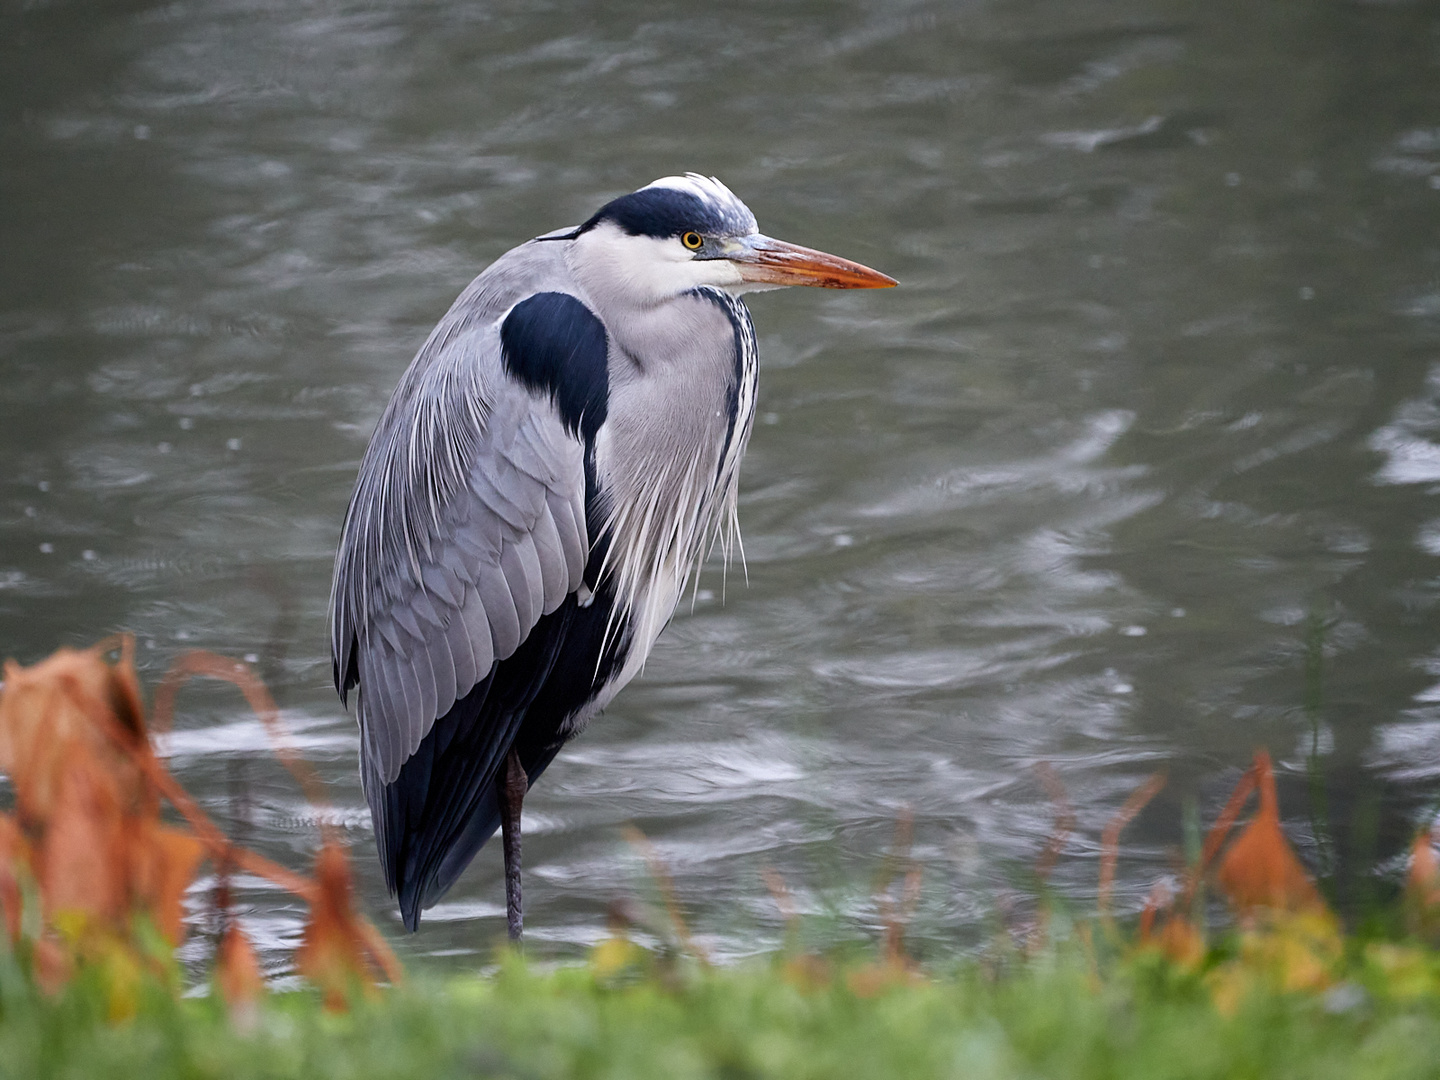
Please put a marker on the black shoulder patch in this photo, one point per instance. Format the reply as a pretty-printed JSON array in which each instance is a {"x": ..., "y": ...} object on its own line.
[{"x": 554, "y": 344}]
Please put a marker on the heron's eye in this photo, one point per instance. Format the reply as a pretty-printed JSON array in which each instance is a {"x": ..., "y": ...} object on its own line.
[{"x": 692, "y": 240}]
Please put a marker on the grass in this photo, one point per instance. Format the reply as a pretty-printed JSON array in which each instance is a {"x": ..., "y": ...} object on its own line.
[{"x": 1048, "y": 1016}]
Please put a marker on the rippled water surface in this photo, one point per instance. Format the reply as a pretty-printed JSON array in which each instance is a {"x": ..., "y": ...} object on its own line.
[{"x": 1154, "y": 418}]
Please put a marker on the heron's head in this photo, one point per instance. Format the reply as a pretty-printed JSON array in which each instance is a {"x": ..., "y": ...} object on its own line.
[{"x": 682, "y": 232}]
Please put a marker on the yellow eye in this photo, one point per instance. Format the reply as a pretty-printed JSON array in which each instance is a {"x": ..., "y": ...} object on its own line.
[{"x": 692, "y": 240}]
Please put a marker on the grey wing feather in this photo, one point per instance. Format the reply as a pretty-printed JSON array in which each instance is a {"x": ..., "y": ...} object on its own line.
[
  {"x": 477, "y": 629},
  {"x": 522, "y": 574},
  {"x": 466, "y": 526},
  {"x": 568, "y": 523},
  {"x": 461, "y": 651},
  {"x": 498, "y": 602},
  {"x": 422, "y": 667},
  {"x": 554, "y": 573}
]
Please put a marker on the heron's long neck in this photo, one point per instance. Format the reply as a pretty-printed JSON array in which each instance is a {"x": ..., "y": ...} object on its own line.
[{"x": 670, "y": 460}]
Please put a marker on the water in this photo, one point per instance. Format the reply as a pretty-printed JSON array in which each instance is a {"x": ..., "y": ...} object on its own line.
[{"x": 1154, "y": 417}]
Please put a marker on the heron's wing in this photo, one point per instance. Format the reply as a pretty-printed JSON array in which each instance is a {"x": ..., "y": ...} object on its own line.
[{"x": 467, "y": 525}]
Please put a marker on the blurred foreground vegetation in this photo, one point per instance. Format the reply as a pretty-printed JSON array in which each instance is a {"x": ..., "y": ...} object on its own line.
[
  {"x": 94, "y": 869},
  {"x": 1048, "y": 1016}
]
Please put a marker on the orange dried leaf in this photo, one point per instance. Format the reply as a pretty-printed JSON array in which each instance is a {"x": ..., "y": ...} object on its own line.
[
  {"x": 163, "y": 862},
  {"x": 237, "y": 971},
  {"x": 1422, "y": 885},
  {"x": 1261, "y": 871},
  {"x": 81, "y": 854},
  {"x": 339, "y": 949},
  {"x": 14, "y": 863},
  {"x": 88, "y": 787},
  {"x": 61, "y": 707}
]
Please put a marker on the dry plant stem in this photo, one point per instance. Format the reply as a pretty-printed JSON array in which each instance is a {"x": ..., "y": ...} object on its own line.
[
  {"x": 661, "y": 874},
  {"x": 233, "y": 671},
  {"x": 1156, "y": 900},
  {"x": 1064, "y": 820},
  {"x": 899, "y": 853},
  {"x": 780, "y": 893},
  {"x": 1215, "y": 838},
  {"x": 1092, "y": 963},
  {"x": 896, "y": 916},
  {"x": 381, "y": 953},
  {"x": 1110, "y": 839},
  {"x": 1226, "y": 821},
  {"x": 228, "y": 854},
  {"x": 512, "y": 798},
  {"x": 221, "y": 849},
  {"x": 220, "y": 899}
]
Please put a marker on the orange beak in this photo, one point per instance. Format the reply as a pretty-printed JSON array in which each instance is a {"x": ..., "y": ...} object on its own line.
[{"x": 774, "y": 262}]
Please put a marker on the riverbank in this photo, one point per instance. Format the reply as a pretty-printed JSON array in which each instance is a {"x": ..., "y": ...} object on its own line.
[
  {"x": 1054, "y": 1015},
  {"x": 94, "y": 875}
]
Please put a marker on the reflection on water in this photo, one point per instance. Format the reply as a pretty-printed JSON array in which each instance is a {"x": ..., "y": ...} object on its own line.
[{"x": 1157, "y": 406}]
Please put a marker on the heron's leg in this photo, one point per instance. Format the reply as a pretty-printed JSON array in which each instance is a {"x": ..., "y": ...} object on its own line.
[{"x": 516, "y": 784}]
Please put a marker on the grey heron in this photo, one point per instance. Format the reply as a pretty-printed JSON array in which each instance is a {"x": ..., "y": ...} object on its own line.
[{"x": 555, "y": 464}]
